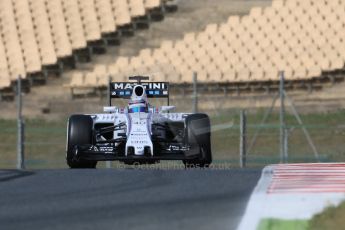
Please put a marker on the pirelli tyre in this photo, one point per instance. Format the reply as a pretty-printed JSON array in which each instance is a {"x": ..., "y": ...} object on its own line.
[
  {"x": 198, "y": 137},
  {"x": 79, "y": 132}
]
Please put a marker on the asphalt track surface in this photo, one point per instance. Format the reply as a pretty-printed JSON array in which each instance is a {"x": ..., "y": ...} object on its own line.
[{"x": 124, "y": 198}]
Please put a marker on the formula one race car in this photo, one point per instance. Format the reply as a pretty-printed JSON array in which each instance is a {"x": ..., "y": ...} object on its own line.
[{"x": 139, "y": 133}]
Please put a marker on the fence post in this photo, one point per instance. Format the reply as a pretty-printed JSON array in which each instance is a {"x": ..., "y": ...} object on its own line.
[
  {"x": 195, "y": 92},
  {"x": 108, "y": 163},
  {"x": 282, "y": 117},
  {"x": 243, "y": 139},
  {"x": 20, "y": 126},
  {"x": 109, "y": 89},
  {"x": 286, "y": 145}
]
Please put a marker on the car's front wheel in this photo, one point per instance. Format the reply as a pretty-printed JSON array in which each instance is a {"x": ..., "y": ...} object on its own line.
[
  {"x": 198, "y": 136},
  {"x": 79, "y": 132}
]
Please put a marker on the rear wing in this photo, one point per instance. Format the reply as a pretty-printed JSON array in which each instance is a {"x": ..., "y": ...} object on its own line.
[
  {"x": 153, "y": 89},
  {"x": 125, "y": 89}
]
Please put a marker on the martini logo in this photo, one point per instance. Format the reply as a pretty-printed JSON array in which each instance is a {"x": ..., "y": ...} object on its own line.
[{"x": 148, "y": 85}]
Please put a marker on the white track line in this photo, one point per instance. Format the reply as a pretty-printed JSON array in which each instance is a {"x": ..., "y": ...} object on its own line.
[{"x": 294, "y": 191}]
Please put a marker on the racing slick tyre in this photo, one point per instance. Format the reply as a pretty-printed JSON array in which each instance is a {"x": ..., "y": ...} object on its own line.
[
  {"x": 79, "y": 133},
  {"x": 198, "y": 137}
]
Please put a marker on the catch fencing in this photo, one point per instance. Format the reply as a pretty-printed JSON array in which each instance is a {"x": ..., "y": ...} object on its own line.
[{"x": 241, "y": 137}]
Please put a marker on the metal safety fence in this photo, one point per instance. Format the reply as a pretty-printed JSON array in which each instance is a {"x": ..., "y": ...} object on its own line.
[{"x": 240, "y": 137}]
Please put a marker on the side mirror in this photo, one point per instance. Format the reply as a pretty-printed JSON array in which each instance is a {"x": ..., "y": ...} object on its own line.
[
  {"x": 110, "y": 109},
  {"x": 167, "y": 108}
]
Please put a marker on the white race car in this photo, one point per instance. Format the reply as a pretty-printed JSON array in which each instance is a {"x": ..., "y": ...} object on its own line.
[{"x": 139, "y": 133}]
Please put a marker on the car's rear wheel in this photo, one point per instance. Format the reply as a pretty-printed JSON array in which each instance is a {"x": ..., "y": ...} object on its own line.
[
  {"x": 198, "y": 137},
  {"x": 79, "y": 133}
]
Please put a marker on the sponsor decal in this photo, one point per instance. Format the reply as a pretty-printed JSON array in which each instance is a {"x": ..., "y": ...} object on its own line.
[
  {"x": 153, "y": 89},
  {"x": 146, "y": 85}
]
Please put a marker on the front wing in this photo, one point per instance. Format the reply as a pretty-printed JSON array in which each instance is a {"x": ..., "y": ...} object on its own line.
[{"x": 108, "y": 152}]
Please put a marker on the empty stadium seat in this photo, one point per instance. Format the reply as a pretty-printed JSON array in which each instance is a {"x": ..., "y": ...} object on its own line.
[
  {"x": 137, "y": 8},
  {"x": 58, "y": 27},
  {"x": 43, "y": 32},
  {"x": 74, "y": 24},
  {"x": 105, "y": 15},
  {"x": 150, "y": 4},
  {"x": 11, "y": 40},
  {"x": 302, "y": 38},
  {"x": 77, "y": 80},
  {"x": 121, "y": 11},
  {"x": 26, "y": 36},
  {"x": 35, "y": 34},
  {"x": 89, "y": 19}
]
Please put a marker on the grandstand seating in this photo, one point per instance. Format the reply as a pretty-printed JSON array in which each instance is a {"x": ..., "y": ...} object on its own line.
[
  {"x": 37, "y": 34},
  {"x": 303, "y": 38}
]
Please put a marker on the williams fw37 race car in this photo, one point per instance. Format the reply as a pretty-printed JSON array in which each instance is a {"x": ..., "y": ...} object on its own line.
[{"x": 138, "y": 133}]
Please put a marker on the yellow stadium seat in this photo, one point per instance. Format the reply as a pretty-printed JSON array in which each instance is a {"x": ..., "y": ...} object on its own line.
[
  {"x": 229, "y": 75},
  {"x": 159, "y": 56},
  {"x": 292, "y": 4},
  {"x": 122, "y": 63},
  {"x": 90, "y": 20},
  {"x": 4, "y": 81},
  {"x": 100, "y": 70},
  {"x": 145, "y": 53},
  {"x": 269, "y": 13},
  {"x": 166, "y": 46},
  {"x": 247, "y": 22},
  {"x": 74, "y": 24},
  {"x": 233, "y": 21},
  {"x": 150, "y": 4},
  {"x": 189, "y": 38},
  {"x": 27, "y": 37},
  {"x": 271, "y": 74},
  {"x": 121, "y": 11},
  {"x": 255, "y": 12},
  {"x": 202, "y": 38},
  {"x": 211, "y": 29},
  {"x": 306, "y": 4},
  {"x": 11, "y": 40},
  {"x": 300, "y": 72},
  {"x": 215, "y": 75},
  {"x": 224, "y": 29},
  {"x": 314, "y": 72},
  {"x": 180, "y": 46},
  {"x": 278, "y": 5},
  {"x": 58, "y": 28},
  {"x": 137, "y": 8},
  {"x": 105, "y": 15},
  {"x": 77, "y": 79},
  {"x": 103, "y": 81},
  {"x": 243, "y": 75},
  {"x": 43, "y": 32},
  {"x": 257, "y": 74},
  {"x": 90, "y": 80}
]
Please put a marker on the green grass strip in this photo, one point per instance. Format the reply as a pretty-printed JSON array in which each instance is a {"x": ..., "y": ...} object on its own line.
[{"x": 277, "y": 224}]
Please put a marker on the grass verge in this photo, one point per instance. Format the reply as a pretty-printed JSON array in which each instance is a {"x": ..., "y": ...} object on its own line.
[
  {"x": 45, "y": 140},
  {"x": 331, "y": 218},
  {"x": 277, "y": 224}
]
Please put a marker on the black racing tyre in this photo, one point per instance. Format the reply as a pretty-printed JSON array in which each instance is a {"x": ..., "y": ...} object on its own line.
[
  {"x": 79, "y": 132},
  {"x": 198, "y": 137}
]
